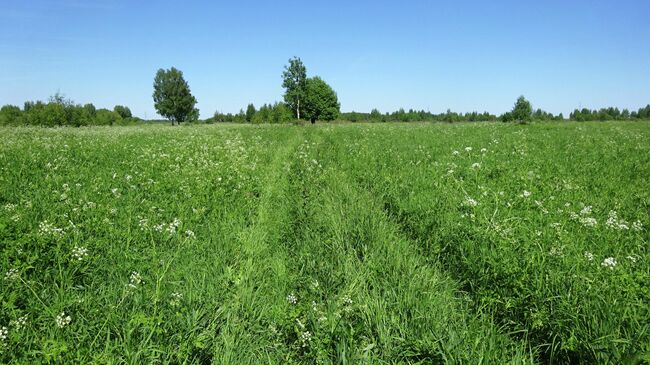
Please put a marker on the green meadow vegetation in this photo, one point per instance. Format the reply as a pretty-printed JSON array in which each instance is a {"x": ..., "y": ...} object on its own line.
[{"x": 481, "y": 243}]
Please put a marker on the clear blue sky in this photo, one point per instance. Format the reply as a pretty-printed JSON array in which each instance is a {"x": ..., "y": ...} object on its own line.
[{"x": 432, "y": 55}]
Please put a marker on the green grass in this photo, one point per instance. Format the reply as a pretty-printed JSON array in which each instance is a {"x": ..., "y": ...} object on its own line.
[{"x": 328, "y": 244}]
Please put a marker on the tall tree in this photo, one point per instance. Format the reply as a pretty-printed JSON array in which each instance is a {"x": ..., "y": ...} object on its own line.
[
  {"x": 294, "y": 80},
  {"x": 321, "y": 102},
  {"x": 522, "y": 110},
  {"x": 172, "y": 97},
  {"x": 250, "y": 112}
]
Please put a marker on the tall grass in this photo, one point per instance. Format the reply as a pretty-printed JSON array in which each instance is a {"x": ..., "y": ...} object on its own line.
[{"x": 333, "y": 244}]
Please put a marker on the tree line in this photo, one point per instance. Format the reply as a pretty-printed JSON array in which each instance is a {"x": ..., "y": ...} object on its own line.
[
  {"x": 584, "y": 114},
  {"x": 61, "y": 111},
  {"x": 305, "y": 98}
]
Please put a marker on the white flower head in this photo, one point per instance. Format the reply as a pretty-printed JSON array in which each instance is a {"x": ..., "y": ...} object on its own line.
[
  {"x": 455, "y": 153},
  {"x": 79, "y": 253},
  {"x": 468, "y": 149},
  {"x": 4, "y": 332},
  {"x": 588, "y": 221},
  {"x": 470, "y": 202},
  {"x": 135, "y": 279},
  {"x": 609, "y": 263},
  {"x": 476, "y": 165},
  {"x": 589, "y": 256},
  {"x": 291, "y": 298},
  {"x": 12, "y": 274},
  {"x": 305, "y": 337},
  {"x": 176, "y": 299},
  {"x": 19, "y": 323},
  {"x": 62, "y": 320}
]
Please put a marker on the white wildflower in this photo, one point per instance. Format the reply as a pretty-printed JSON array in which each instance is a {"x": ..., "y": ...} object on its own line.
[
  {"x": 455, "y": 153},
  {"x": 586, "y": 210},
  {"x": 637, "y": 226},
  {"x": 176, "y": 299},
  {"x": 589, "y": 256},
  {"x": 556, "y": 251},
  {"x": 291, "y": 298},
  {"x": 9, "y": 207},
  {"x": 12, "y": 274},
  {"x": 190, "y": 234},
  {"x": 79, "y": 253},
  {"x": 19, "y": 323},
  {"x": 468, "y": 149},
  {"x": 305, "y": 337},
  {"x": 476, "y": 165},
  {"x": 46, "y": 228},
  {"x": 4, "y": 332},
  {"x": 526, "y": 194},
  {"x": 62, "y": 320},
  {"x": 609, "y": 262},
  {"x": 470, "y": 202},
  {"x": 347, "y": 300},
  {"x": 171, "y": 228},
  {"x": 588, "y": 221},
  {"x": 632, "y": 258},
  {"x": 134, "y": 279}
]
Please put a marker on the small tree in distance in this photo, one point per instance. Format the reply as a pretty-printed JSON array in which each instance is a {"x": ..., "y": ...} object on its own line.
[
  {"x": 172, "y": 97},
  {"x": 522, "y": 111}
]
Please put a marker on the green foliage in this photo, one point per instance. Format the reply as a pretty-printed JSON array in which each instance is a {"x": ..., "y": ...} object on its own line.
[
  {"x": 224, "y": 245},
  {"x": 10, "y": 115},
  {"x": 172, "y": 97},
  {"x": 522, "y": 111},
  {"x": 61, "y": 111},
  {"x": 321, "y": 102},
  {"x": 250, "y": 112},
  {"x": 294, "y": 81},
  {"x": 611, "y": 113},
  {"x": 123, "y": 111}
]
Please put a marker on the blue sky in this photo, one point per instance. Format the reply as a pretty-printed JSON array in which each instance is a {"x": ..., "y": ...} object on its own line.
[{"x": 432, "y": 55}]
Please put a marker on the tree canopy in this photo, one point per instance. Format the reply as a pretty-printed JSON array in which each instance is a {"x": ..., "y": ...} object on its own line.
[
  {"x": 294, "y": 80},
  {"x": 522, "y": 111},
  {"x": 172, "y": 97},
  {"x": 321, "y": 102}
]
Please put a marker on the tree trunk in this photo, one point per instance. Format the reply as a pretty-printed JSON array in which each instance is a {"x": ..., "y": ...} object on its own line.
[{"x": 298, "y": 109}]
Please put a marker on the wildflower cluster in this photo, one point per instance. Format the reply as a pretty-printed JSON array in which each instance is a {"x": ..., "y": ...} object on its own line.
[
  {"x": 79, "y": 253},
  {"x": 63, "y": 320},
  {"x": 12, "y": 274},
  {"x": 292, "y": 299},
  {"x": 176, "y": 299},
  {"x": 19, "y": 323},
  {"x": 46, "y": 228},
  {"x": 609, "y": 263},
  {"x": 134, "y": 279}
]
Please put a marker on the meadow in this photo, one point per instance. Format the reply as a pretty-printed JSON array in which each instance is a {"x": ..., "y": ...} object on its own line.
[{"x": 419, "y": 243}]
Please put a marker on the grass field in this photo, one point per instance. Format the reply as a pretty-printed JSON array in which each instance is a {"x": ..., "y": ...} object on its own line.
[{"x": 420, "y": 243}]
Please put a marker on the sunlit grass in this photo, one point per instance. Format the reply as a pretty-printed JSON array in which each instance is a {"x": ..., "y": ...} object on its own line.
[{"x": 420, "y": 243}]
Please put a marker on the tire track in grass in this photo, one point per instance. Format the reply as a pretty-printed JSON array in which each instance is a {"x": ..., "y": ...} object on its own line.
[
  {"x": 365, "y": 295},
  {"x": 259, "y": 273}
]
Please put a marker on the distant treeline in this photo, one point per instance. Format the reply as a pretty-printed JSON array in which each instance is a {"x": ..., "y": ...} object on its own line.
[
  {"x": 610, "y": 113},
  {"x": 268, "y": 113},
  {"x": 60, "y": 111}
]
